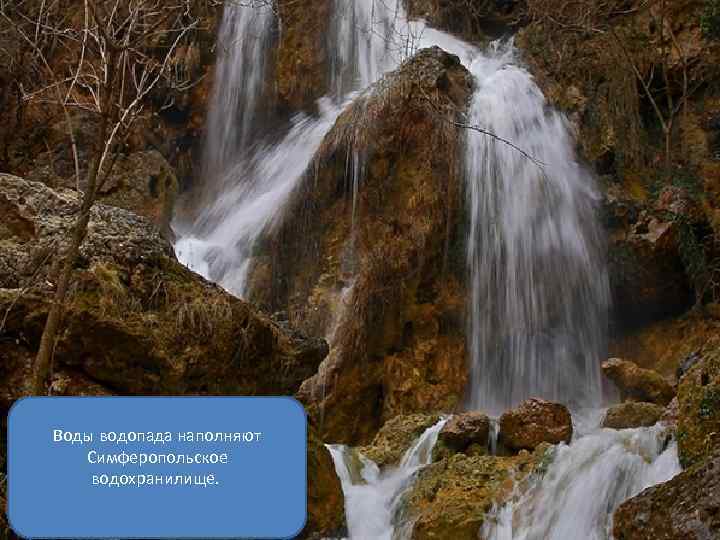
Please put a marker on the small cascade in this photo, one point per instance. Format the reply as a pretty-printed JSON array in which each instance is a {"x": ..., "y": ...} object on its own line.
[
  {"x": 236, "y": 221},
  {"x": 372, "y": 497},
  {"x": 585, "y": 484}
]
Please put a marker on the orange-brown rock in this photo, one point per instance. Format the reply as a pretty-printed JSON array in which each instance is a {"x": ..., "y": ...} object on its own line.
[
  {"x": 533, "y": 422},
  {"x": 464, "y": 430},
  {"x": 638, "y": 384}
]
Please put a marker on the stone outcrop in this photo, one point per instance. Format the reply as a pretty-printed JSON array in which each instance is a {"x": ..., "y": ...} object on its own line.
[
  {"x": 171, "y": 331},
  {"x": 452, "y": 498},
  {"x": 632, "y": 415},
  {"x": 685, "y": 508},
  {"x": 395, "y": 438},
  {"x": 698, "y": 429},
  {"x": 534, "y": 422},
  {"x": 465, "y": 430},
  {"x": 138, "y": 322},
  {"x": 638, "y": 384},
  {"x": 384, "y": 278}
]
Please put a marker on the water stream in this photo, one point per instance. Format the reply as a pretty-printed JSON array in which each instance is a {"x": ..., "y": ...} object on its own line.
[{"x": 372, "y": 496}]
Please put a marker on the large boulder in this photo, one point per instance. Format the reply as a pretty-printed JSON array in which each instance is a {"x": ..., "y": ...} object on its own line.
[
  {"x": 136, "y": 320},
  {"x": 378, "y": 268},
  {"x": 638, "y": 384},
  {"x": 632, "y": 415},
  {"x": 533, "y": 422},
  {"x": 396, "y": 436},
  {"x": 698, "y": 430},
  {"x": 685, "y": 508},
  {"x": 465, "y": 430}
]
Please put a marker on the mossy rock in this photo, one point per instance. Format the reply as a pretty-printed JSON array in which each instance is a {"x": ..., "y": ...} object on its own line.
[
  {"x": 698, "y": 431},
  {"x": 396, "y": 437}
]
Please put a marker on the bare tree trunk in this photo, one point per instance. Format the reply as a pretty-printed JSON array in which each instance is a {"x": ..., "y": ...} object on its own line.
[{"x": 41, "y": 371}]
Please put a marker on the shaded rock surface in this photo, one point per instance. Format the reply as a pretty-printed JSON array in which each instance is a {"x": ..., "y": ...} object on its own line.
[
  {"x": 632, "y": 415},
  {"x": 685, "y": 508},
  {"x": 384, "y": 279},
  {"x": 326, "y": 505},
  {"x": 396, "y": 437},
  {"x": 638, "y": 384},
  {"x": 533, "y": 422}
]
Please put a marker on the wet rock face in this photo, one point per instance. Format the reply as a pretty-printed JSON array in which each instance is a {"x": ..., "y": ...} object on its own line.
[
  {"x": 384, "y": 280},
  {"x": 464, "y": 430},
  {"x": 698, "y": 430},
  {"x": 171, "y": 331},
  {"x": 396, "y": 437},
  {"x": 638, "y": 384},
  {"x": 632, "y": 415},
  {"x": 685, "y": 508},
  {"x": 534, "y": 422}
]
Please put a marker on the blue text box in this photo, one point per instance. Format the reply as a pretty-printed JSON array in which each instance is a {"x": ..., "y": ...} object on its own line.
[{"x": 222, "y": 467}]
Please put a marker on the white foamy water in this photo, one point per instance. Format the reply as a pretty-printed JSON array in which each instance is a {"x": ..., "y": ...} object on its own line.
[
  {"x": 372, "y": 497},
  {"x": 585, "y": 484}
]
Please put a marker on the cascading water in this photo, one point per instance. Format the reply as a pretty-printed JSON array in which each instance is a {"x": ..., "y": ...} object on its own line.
[
  {"x": 372, "y": 497},
  {"x": 538, "y": 286},
  {"x": 538, "y": 281},
  {"x": 585, "y": 484}
]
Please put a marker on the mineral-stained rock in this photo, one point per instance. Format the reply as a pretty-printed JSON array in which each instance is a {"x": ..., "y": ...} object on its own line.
[
  {"x": 533, "y": 422},
  {"x": 632, "y": 415},
  {"x": 464, "y": 430},
  {"x": 451, "y": 498},
  {"x": 638, "y": 384},
  {"x": 136, "y": 321},
  {"x": 698, "y": 430},
  {"x": 326, "y": 505},
  {"x": 385, "y": 278},
  {"x": 685, "y": 508},
  {"x": 396, "y": 436}
]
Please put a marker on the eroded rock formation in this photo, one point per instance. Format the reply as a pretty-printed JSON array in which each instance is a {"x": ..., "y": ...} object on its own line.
[{"x": 378, "y": 269}]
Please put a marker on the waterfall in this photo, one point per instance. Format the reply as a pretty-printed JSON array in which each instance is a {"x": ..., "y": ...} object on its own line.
[
  {"x": 372, "y": 497},
  {"x": 585, "y": 484},
  {"x": 539, "y": 287}
]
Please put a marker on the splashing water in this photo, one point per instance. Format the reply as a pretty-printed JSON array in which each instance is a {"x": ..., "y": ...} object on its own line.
[
  {"x": 585, "y": 484},
  {"x": 372, "y": 497}
]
